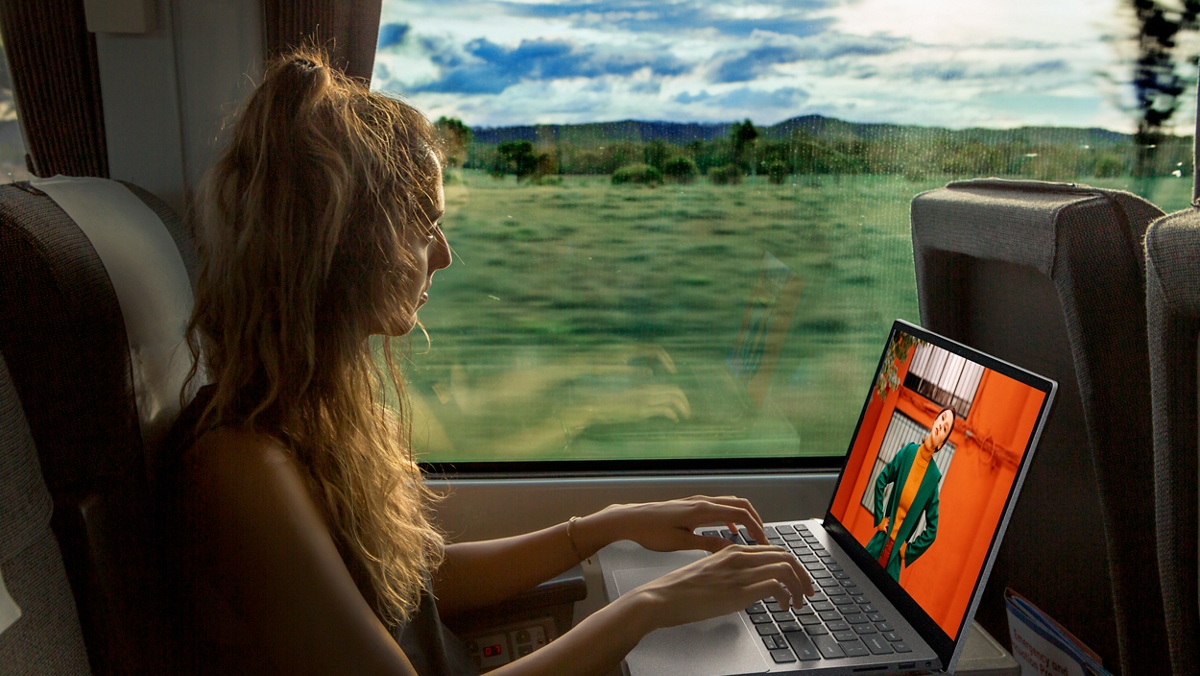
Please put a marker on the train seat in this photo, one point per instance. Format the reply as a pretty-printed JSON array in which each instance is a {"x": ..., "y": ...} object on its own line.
[
  {"x": 39, "y": 624},
  {"x": 1051, "y": 277},
  {"x": 95, "y": 292},
  {"x": 1173, "y": 325}
]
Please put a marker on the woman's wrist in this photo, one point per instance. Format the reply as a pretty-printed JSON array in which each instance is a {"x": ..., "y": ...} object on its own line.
[{"x": 591, "y": 533}]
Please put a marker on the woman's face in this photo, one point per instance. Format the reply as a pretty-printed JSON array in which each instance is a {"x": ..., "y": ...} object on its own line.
[
  {"x": 941, "y": 429},
  {"x": 425, "y": 252}
]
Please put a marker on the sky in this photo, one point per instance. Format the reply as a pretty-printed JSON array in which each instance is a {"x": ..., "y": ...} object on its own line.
[{"x": 945, "y": 63}]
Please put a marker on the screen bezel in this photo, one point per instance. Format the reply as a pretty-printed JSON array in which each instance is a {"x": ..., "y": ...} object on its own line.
[{"x": 943, "y": 644}]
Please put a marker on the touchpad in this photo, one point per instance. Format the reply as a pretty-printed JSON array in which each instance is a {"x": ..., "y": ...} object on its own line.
[{"x": 713, "y": 647}]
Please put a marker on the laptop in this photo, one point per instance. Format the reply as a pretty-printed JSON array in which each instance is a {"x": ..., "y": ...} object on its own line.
[{"x": 878, "y": 608}]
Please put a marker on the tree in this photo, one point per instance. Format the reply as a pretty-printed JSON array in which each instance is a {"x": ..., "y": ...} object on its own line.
[
  {"x": 742, "y": 135},
  {"x": 656, "y": 153},
  {"x": 455, "y": 138},
  {"x": 681, "y": 169},
  {"x": 515, "y": 157}
]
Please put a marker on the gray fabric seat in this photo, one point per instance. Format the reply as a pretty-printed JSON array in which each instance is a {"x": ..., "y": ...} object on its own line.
[
  {"x": 1051, "y": 278},
  {"x": 46, "y": 639},
  {"x": 84, "y": 327},
  {"x": 1173, "y": 325}
]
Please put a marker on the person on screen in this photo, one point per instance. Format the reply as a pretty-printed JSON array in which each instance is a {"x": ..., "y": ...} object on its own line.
[
  {"x": 298, "y": 527},
  {"x": 914, "y": 478}
]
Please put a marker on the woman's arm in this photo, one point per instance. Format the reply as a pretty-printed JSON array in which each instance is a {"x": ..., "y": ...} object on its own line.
[
  {"x": 723, "y": 583},
  {"x": 476, "y": 574}
]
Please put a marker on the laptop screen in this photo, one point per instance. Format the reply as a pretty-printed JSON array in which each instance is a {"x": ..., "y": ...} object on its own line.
[{"x": 941, "y": 447}]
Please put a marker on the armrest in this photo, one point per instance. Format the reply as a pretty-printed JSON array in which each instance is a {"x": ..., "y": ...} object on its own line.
[{"x": 554, "y": 598}]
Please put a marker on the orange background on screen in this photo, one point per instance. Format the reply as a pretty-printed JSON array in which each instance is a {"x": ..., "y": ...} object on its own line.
[{"x": 1000, "y": 421}]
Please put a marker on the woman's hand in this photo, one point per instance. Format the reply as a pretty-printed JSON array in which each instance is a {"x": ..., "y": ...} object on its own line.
[
  {"x": 668, "y": 526},
  {"x": 723, "y": 583}
]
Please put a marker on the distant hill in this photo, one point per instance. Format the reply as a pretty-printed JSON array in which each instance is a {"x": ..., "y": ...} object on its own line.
[{"x": 817, "y": 125}]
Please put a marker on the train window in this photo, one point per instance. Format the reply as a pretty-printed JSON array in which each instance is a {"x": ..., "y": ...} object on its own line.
[
  {"x": 682, "y": 228},
  {"x": 12, "y": 143}
]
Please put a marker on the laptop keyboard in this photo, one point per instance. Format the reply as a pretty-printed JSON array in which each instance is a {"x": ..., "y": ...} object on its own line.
[{"x": 839, "y": 621}]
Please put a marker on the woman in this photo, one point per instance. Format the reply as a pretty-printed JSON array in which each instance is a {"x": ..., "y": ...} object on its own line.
[
  {"x": 300, "y": 522},
  {"x": 914, "y": 478}
]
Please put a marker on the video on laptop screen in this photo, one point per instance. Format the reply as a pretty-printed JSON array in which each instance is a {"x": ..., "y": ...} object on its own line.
[{"x": 930, "y": 469}]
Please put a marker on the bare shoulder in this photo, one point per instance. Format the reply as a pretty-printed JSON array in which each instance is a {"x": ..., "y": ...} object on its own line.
[{"x": 243, "y": 474}]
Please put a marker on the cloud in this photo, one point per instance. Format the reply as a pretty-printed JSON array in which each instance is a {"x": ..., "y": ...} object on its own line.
[
  {"x": 957, "y": 71},
  {"x": 747, "y": 98},
  {"x": 757, "y": 62},
  {"x": 484, "y": 67},
  {"x": 392, "y": 34},
  {"x": 680, "y": 16}
]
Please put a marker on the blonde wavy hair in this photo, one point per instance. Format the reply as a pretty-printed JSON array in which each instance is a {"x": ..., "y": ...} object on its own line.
[{"x": 301, "y": 228}]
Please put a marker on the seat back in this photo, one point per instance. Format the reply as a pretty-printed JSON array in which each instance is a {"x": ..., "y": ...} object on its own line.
[
  {"x": 46, "y": 638},
  {"x": 1173, "y": 325},
  {"x": 1050, "y": 277},
  {"x": 94, "y": 296}
]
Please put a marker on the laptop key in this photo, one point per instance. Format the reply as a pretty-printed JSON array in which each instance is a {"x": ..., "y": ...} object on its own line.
[
  {"x": 875, "y": 617},
  {"x": 756, "y": 608},
  {"x": 829, "y": 647},
  {"x": 864, "y": 629},
  {"x": 821, "y": 573},
  {"x": 803, "y": 645},
  {"x": 782, "y": 616},
  {"x": 746, "y": 536},
  {"x": 827, "y": 583},
  {"x": 838, "y": 626},
  {"x": 855, "y": 649},
  {"x": 878, "y": 646},
  {"x": 892, "y": 636},
  {"x": 884, "y": 627},
  {"x": 868, "y": 608},
  {"x": 834, "y": 591},
  {"x": 789, "y": 626},
  {"x": 901, "y": 647},
  {"x": 816, "y": 630},
  {"x": 861, "y": 600},
  {"x": 842, "y": 600},
  {"x": 856, "y": 619},
  {"x": 822, "y": 606},
  {"x": 782, "y": 656},
  {"x": 761, "y": 619},
  {"x": 773, "y": 642},
  {"x": 845, "y": 635},
  {"x": 766, "y": 629},
  {"x": 809, "y": 620},
  {"x": 830, "y": 616}
]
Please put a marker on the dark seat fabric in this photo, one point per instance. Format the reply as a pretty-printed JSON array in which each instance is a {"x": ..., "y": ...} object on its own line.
[
  {"x": 46, "y": 639},
  {"x": 63, "y": 334},
  {"x": 1051, "y": 278},
  {"x": 1173, "y": 325}
]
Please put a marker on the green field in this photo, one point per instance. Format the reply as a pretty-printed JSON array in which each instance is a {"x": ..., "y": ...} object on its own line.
[{"x": 561, "y": 295}]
